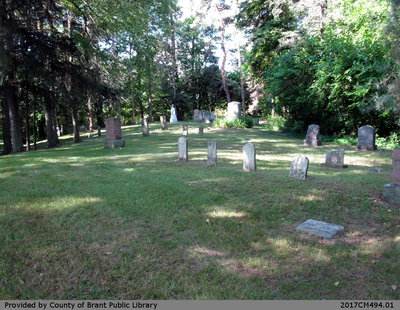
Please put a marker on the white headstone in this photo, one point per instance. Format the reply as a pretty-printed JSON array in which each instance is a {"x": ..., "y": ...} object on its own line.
[
  {"x": 234, "y": 108},
  {"x": 249, "y": 157},
  {"x": 173, "y": 118},
  {"x": 212, "y": 154},
  {"x": 183, "y": 149},
  {"x": 299, "y": 167}
]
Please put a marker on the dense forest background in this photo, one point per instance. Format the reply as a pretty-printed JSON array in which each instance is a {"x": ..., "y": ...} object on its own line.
[{"x": 67, "y": 64}]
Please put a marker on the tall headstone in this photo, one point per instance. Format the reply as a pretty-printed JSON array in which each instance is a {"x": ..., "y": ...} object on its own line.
[
  {"x": 145, "y": 127},
  {"x": 201, "y": 130},
  {"x": 207, "y": 117},
  {"x": 366, "y": 138},
  {"x": 334, "y": 159},
  {"x": 234, "y": 108},
  {"x": 163, "y": 121},
  {"x": 113, "y": 133},
  {"x": 249, "y": 157},
  {"x": 299, "y": 167},
  {"x": 185, "y": 130},
  {"x": 196, "y": 115},
  {"x": 212, "y": 154},
  {"x": 312, "y": 137},
  {"x": 173, "y": 118},
  {"x": 391, "y": 192},
  {"x": 183, "y": 149}
]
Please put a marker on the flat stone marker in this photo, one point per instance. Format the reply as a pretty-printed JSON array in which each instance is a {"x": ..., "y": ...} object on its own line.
[
  {"x": 334, "y": 159},
  {"x": 249, "y": 157},
  {"x": 312, "y": 136},
  {"x": 391, "y": 192},
  {"x": 321, "y": 229},
  {"x": 201, "y": 130},
  {"x": 234, "y": 109},
  {"x": 145, "y": 127},
  {"x": 163, "y": 121},
  {"x": 212, "y": 154},
  {"x": 183, "y": 149},
  {"x": 366, "y": 138},
  {"x": 113, "y": 133},
  {"x": 374, "y": 169},
  {"x": 185, "y": 130},
  {"x": 299, "y": 167}
]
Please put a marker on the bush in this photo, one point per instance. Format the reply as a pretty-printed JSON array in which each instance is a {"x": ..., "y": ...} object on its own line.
[
  {"x": 275, "y": 122},
  {"x": 240, "y": 122},
  {"x": 390, "y": 142}
]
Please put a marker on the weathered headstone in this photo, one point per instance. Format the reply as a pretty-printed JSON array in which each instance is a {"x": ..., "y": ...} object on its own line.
[
  {"x": 334, "y": 159},
  {"x": 113, "y": 133},
  {"x": 98, "y": 131},
  {"x": 196, "y": 115},
  {"x": 163, "y": 121},
  {"x": 201, "y": 116},
  {"x": 391, "y": 192},
  {"x": 207, "y": 117},
  {"x": 256, "y": 121},
  {"x": 321, "y": 229},
  {"x": 312, "y": 137},
  {"x": 299, "y": 167},
  {"x": 212, "y": 154},
  {"x": 201, "y": 130},
  {"x": 145, "y": 127},
  {"x": 185, "y": 130},
  {"x": 366, "y": 138},
  {"x": 249, "y": 157},
  {"x": 173, "y": 118},
  {"x": 234, "y": 108},
  {"x": 183, "y": 149}
]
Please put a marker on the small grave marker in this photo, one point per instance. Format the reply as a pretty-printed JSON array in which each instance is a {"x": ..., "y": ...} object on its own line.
[
  {"x": 299, "y": 167},
  {"x": 321, "y": 229},
  {"x": 249, "y": 157},
  {"x": 183, "y": 149},
  {"x": 212, "y": 154}
]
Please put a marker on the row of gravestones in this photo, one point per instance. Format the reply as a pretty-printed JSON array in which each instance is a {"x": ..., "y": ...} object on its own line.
[{"x": 366, "y": 137}]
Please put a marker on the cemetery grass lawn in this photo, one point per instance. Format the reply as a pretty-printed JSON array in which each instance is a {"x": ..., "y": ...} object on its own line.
[{"x": 83, "y": 222}]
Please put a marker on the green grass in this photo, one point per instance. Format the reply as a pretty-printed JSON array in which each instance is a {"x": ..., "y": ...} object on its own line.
[{"x": 83, "y": 222}]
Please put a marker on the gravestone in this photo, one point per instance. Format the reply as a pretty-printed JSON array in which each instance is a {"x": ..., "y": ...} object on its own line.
[
  {"x": 201, "y": 116},
  {"x": 321, "y": 229},
  {"x": 173, "y": 118},
  {"x": 299, "y": 167},
  {"x": 99, "y": 131},
  {"x": 334, "y": 159},
  {"x": 207, "y": 117},
  {"x": 113, "y": 133},
  {"x": 183, "y": 149},
  {"x": 163, "y": 121},
  {"x": 145, "y": 127},
  {"x": 312, "y": 136},
  {"x": 234, "y": 108},
  {"x": 256, "y": 121},
  {"x": 212, "y": 154},
  {"x": 201, "y": 130},
  {"x": 196, "y": 115},
  {"x": 366, "y": 138},
  {"x": 391, "y": 192},
  {"x": 212, "y": 118},
  {"x": 185, "y": 130},
  {"x": 249, "y": 157}
]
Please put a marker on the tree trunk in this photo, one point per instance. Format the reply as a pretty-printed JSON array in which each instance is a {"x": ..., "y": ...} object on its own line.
[
  {"x": 174, "y": 60},
  {"x": 50, "y": 125},
  {"x": 27, "y": 131},
  {"x": 15, "y": 126},
  {"x": 90, "y": 113},
  {"x": 7, "y": 145},
  {"x": 223, "y": 74},
  {"x": 75, "y": 122}
]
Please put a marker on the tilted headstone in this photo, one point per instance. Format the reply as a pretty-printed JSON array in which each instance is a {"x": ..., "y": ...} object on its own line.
[
  {"x": 113, "y": 133},
  {"x": 334, "y": 159},
  {"x": 183, "y": 149},
  {"x": 249, "y": 157},
  {"x": 366, "y": 138},
  {"x": 233, "y": 112},
  {"x": 163, "y": 121},
  {"x": 185, "y": 130},
  {"x": 391, "y": 192},
  {"x": 212, "y": 154},
  {"x": 299, "y": 167},
  {"x": 196, "y": 115},
  {"x": 207, "y": 117},
  {"x": 173, "y": 118},
  {"x": 312, "y": 137},
  {"x": 321, "y": 229},
  {"x": 145, "y": 127},
  {"x": 201, "y": 130}
]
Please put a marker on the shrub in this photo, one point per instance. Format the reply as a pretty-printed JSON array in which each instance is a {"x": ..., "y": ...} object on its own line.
[
  {"x": 240, "y": 122},
  {"x": 275, "y": 122}
]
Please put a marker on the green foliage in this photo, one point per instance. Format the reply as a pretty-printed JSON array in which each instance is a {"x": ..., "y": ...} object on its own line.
[
  {"x": 275, "y": 122},
  {"x": 390, "y": 143},
  {"x": 240, "y": 122}
]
